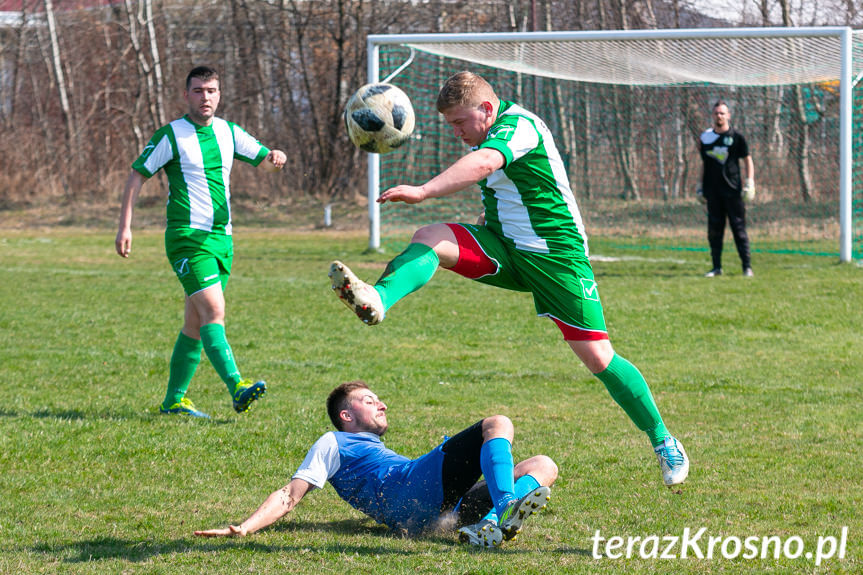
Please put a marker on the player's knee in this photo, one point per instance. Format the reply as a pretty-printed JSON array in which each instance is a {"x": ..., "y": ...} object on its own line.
[
  {"x": 540, "y": 467},
  {"x": 549, "y": 469},
  {"x": 437, "y": 236},
  {"x": 497, "y": 426}
]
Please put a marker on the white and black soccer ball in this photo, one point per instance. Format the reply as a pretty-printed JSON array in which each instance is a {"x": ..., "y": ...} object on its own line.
[{"x": 379, "y": 118}]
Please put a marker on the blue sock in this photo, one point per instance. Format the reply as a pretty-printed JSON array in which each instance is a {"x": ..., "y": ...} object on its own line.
[
  {"x": 523, "y": 485},
  {"x": 495, "y": 459}
]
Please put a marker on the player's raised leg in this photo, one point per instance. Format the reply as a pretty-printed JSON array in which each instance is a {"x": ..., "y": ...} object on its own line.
[{"x": 431, "y": 246}]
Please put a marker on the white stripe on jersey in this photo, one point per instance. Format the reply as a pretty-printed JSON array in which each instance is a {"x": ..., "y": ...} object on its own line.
[
  {"x": 161, "y": 155},
  {"x": 192, "y": 166},
  {"x": 246, "y": 145},
  {"x": 513, "y": 215}
]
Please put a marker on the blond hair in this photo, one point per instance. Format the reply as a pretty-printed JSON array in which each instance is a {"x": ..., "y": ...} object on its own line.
[{"x": 465, "y": 89}]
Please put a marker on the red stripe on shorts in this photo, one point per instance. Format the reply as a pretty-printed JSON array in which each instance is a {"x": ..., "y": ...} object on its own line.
[
  {"x": 572, "y": 333},
  {"x": 472, "y": 261}
]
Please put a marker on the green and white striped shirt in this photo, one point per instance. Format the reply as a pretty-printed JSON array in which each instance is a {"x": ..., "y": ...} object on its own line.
[
  {"x": 529, "y": 201},
  {"x": 197, "y": 160}
]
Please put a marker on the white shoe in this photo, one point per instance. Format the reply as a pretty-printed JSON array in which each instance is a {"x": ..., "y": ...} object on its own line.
[
  {"x": 363, "y": 299},
  {"x": 483, "y": 534},
  {"x": 713, "y": 273},
  {"x": 516, "y": 512},
  {"x": 673, "y": 461}
]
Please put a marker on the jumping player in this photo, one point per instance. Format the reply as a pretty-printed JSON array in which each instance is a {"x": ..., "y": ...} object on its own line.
[{"x": 530, "y": 238}]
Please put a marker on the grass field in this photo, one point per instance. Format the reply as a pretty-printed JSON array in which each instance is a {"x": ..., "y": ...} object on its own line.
[{"x": 760, "y": 378}]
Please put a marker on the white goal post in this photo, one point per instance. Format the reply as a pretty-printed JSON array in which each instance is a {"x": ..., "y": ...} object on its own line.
[{"x": 674, "y": 57}]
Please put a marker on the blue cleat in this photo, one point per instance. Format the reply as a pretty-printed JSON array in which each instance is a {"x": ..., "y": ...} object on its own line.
[
  {"x": 247, "y": 392},
  {"x": 184, "y": 407},
  {"x": 673, "y": 461}
]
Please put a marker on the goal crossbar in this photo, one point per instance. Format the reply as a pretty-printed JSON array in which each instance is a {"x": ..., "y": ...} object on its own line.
[{"x": 785, "y": 56}]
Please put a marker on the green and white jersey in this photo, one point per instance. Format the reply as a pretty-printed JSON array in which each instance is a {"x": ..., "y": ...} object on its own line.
[
  {"x": 197, "y": 160},
  {"x": 529, "y": 202}
]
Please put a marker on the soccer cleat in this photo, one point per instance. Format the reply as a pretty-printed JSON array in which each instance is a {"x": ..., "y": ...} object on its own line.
[
  {"x": 672, "y": 460},
  {"x": 247, "y": 392},
  {"x": 483, "y": 534},
  {"x": 516, "y": 512},
  {"x": 713, "y": 273},
  {"x": 184, "y": 407},
  {"x": 363, "y": 299},
  {"x": 748, "y": 273}
]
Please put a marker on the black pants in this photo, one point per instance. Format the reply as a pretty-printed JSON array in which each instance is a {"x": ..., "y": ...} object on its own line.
[
  {"x": 722, "y": 205},
  {"x": 460, "y": 473}
]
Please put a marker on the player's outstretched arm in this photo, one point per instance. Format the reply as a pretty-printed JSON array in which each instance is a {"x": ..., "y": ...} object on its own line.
[
  {"x": 274, "y": 161},
  {"x": 276, "y": 506},
  {"x": 123, "y": 241},
  {"x": 467, "y": 171}
]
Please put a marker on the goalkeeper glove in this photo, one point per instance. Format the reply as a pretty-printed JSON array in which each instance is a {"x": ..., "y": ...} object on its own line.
[
  {"x": 749, "y": 190},
  {"x": 699, "y": 195}
]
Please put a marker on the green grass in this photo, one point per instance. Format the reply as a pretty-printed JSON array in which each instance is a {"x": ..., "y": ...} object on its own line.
[{"x": 760, "y": 378}]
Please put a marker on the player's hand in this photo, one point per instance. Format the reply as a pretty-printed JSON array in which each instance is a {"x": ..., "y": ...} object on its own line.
[
  {"x": 275, "y": 160},
  {"x": 699, "y": 195},
  {"x": 229, "y": 531},
  {"x": 123, "y": 243},
  {"x": 406, "y": 194},
  {"x": 480, "y": 220},
  {"x": 749, "y": 190}
]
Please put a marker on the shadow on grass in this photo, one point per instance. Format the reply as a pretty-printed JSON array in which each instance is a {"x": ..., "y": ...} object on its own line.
[
  {"x": 137, "y": 551},
  {"x": 79, "y": 415},
  {"x": 353, "y": 527}
]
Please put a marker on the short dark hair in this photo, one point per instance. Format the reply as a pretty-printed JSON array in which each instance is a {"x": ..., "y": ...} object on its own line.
[
  {"x": 721, "y": 102},
  {"x": 338, "y": 400},
  {"x": 202, "y": 73}
]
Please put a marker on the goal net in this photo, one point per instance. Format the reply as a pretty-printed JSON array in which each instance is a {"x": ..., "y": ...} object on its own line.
[{"x": 626, "y": 109}]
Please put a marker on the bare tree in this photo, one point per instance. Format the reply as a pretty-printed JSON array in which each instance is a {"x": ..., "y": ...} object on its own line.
[{"x": 59, "y": 76}]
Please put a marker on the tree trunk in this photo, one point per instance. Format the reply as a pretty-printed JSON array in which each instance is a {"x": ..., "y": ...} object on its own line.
[
  {"x": 59, "y": 76},
  {"x": 159, "y": 85}
]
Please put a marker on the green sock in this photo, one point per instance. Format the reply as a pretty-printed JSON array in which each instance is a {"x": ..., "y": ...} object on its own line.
[
  {"x": 184, "y": 362},
  {"x": 628, "y": 388},
  {"x": 406, "y": 273},
  {"x": 220, "y": 354}
]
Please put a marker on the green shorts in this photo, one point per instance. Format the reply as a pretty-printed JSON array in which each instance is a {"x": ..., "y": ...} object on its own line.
[
  {"x": 200, "y": 259},
  {"x": 562, "y": 285}
]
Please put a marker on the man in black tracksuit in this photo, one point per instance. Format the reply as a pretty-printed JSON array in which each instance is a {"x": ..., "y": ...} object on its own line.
[{"x": 727, "y": 182}]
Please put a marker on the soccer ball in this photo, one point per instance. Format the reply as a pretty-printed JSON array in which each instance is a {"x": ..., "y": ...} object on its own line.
[{"x": 379, "y": 118}]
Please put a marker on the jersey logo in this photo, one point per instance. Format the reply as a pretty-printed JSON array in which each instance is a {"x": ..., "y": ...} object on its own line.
[
  {"x": 181, "y": 267},
  {"x": 504, "y": 132},
  {"x": 719, "y": 153},
  {"x": 728, "y": 140},
  {"x": 589, "y": 289}
]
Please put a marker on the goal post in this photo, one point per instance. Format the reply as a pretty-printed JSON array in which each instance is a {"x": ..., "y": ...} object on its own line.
[{"x": 626, "y": 107}]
